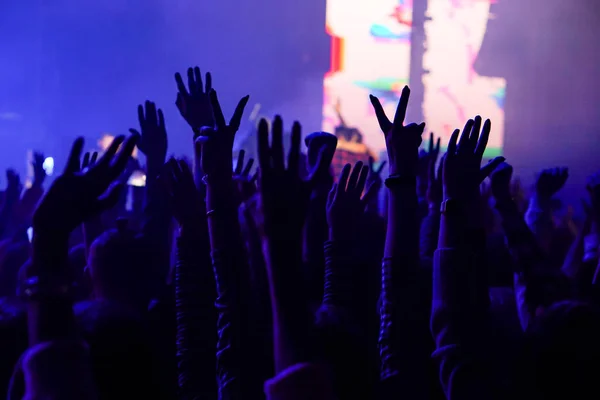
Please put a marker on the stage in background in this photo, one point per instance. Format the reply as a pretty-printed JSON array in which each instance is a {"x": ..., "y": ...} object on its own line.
[{"x": 371, "y": 54}]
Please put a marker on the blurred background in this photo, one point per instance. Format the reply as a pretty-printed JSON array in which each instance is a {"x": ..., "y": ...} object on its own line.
[{"x": 79, "y": 67}]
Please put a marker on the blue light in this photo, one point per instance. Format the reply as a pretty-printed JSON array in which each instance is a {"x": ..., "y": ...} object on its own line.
[{"x": 48, "y": 165}]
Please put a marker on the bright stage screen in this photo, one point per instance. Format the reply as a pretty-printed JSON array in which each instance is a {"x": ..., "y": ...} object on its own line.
[{"x": 371, "y": 47}]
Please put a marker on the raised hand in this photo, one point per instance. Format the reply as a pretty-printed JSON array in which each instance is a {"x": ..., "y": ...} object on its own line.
[
  {"x": 193, "y": 101},
  {"x": 550, "y": 181},
  {"x": 346, "y": 203},
  {"x": 77, "y": 195},
  {"x": 284, "y": 194},
  {"x": 245, "y": 183},
  {"x": 283, "y": 202},
  {"x": 501, "y": 182},
  {"x": 462, "y": 171},
  {"x": 217, "y": 143},
  {"x": 402, "y": 141},
  {"x": 39, "y": 173},
  {"x": 13, "y": 187},
  {"x": 153, "y": 138},
  {"x": 425, "y": 160},
  {"x": 185, "y": 197}
]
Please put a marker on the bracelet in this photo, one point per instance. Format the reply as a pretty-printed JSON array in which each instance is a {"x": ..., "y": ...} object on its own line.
[
  {"x": 400, "y": 180},
  {"x": 34, "y": 289}
]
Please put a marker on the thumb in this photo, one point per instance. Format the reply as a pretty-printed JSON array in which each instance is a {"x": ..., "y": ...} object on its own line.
[{"x": 487, "y": 169}]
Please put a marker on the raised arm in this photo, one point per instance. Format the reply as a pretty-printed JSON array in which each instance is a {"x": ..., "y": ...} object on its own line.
[
  {"x": 315, "y": 229},
  {"x": 12, "y": 195},
  {"x": 73, "y": 197},
  {"x": 458, "y": 319},
  {"x": 403, "y": 352},
  {"x": 430, "y": 226},
  {"x": 194, "y": 288},
  {"x": 29, "y": 200},
  {"x": 157, "y": 214},
  {"x": 233, "y": 364},
  {"x": 284, "y": 198},
  {"x": 522, "y": 244}
]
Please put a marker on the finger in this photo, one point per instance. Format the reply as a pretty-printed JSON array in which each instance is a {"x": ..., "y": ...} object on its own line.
[
  {"x": 263, "y": 145},
  {"x": 371, "y": 163},
  {"x": 381, "y": 166},
  {"x": 86, "y": 161},
  {"x": 73, "y": 165},
  {"x": 452, "y": 143},
  {"x": 438, "y": 146},
  {"x": 483, "y": 139},
  {"x": 277, "y": 143},
  {"x": 151, "y": 115},
  {"x": 217, "y": 112},
  {"x": 474, "y": 136},
  {"x": 246, "y": 170},
  {"x": 402, "y": 106},
  {"x": 119, "y": 162},
  {"x": 487, "y": 169},
  {"x": 370, "y": 194},
  {"x": 362, "y": 180},
  {"x": 294, "y": 154},
  {"x": 198, "y": 79},
  {"x": 191, "y": 81},
  {"x": 236, "y": 119},
  {"x": 343, "y": 180},
  {"x": 255, "y": 175},
  {"x": 141, "y": 117},
  {"x": 353, "y": 180},
  {"x": 463, "y": 142},
  {"x": 180, "y": 85},
  {"x": 208, "y": 82},
  {"x": 384, "y": 123},
  {"x": 240, "y": 163},
  {"x": 161, "y": 120}
]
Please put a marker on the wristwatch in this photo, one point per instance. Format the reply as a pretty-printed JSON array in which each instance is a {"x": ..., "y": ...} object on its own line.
[{"x": 451, "y": 207}]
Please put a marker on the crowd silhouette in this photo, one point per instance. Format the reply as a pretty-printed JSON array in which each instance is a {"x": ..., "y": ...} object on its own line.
[{"x": 283, "y": 281}]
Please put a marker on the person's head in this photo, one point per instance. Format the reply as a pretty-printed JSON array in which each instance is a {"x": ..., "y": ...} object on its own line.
[
  {"x": 315, "y": 142},
  {"x": 564, "y": 348},
  {"x": 117, "y": 267}
]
